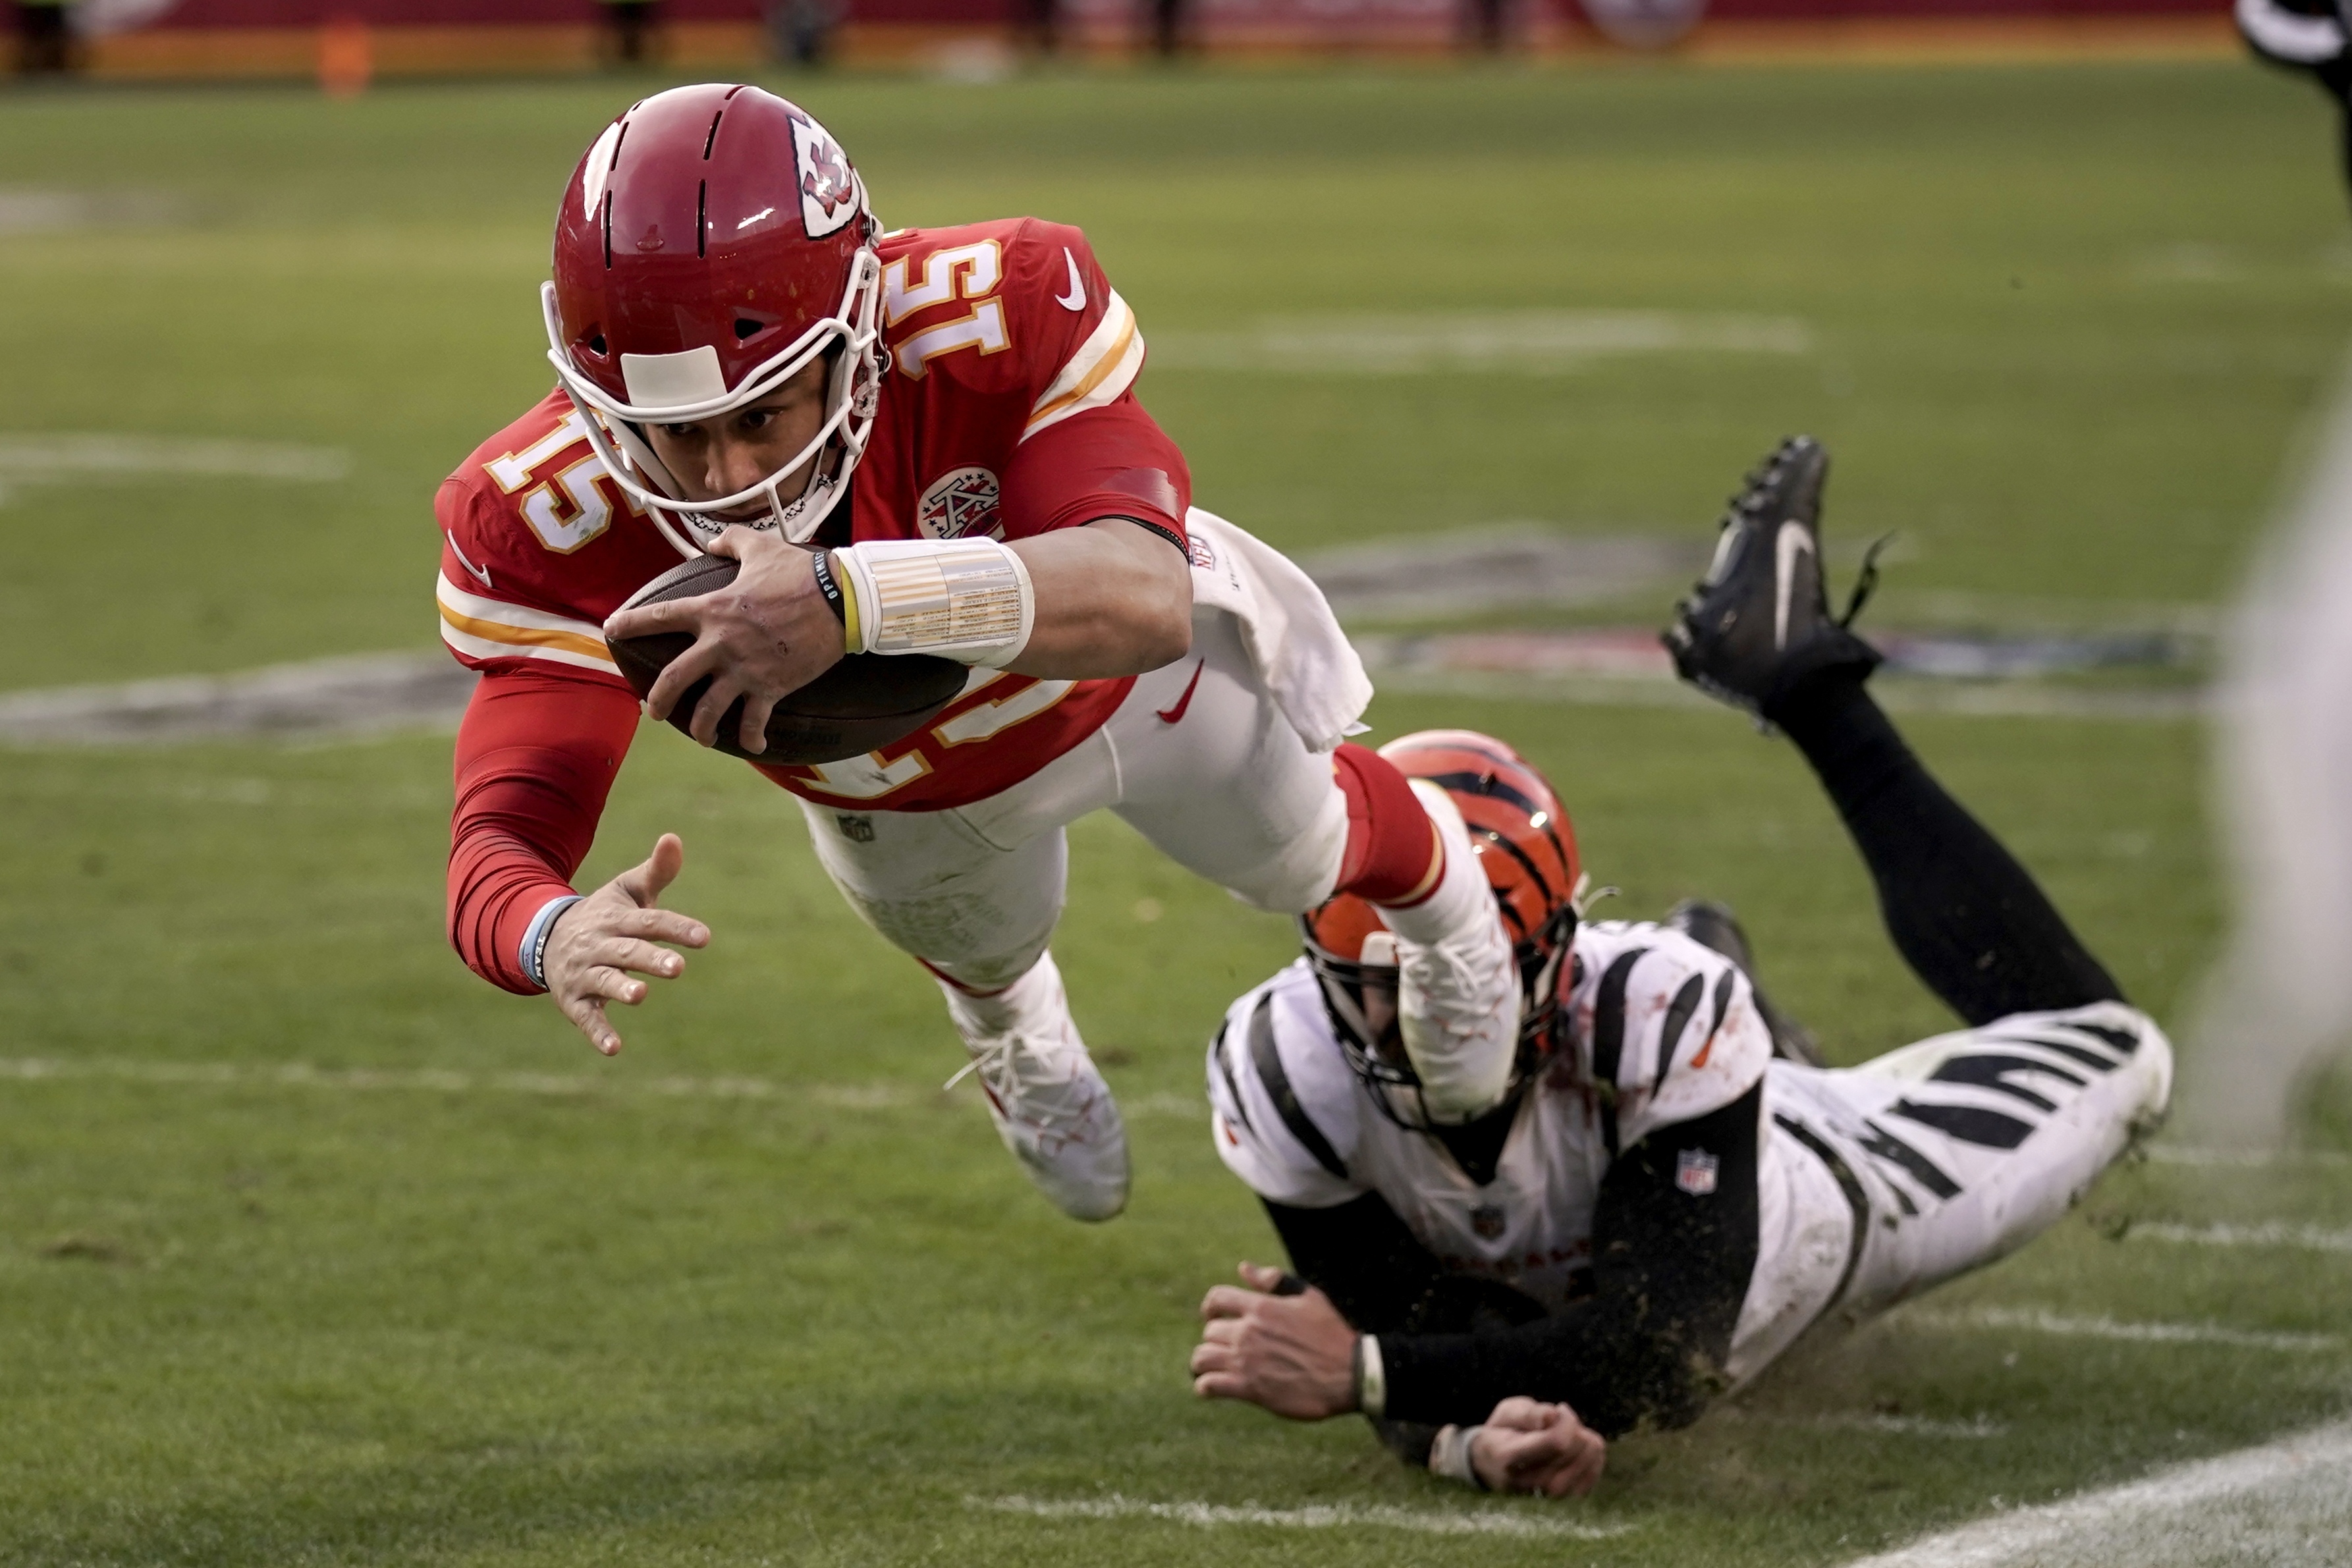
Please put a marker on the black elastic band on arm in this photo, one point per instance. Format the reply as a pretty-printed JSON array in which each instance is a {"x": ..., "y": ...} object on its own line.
[
  {"x": 1163, "y": 530},
  {"x": 821, "y": 563}
]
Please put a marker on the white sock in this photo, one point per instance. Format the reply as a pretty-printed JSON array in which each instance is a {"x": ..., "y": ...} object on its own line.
[
  {"x": 1458, "y": 983},
  {"x": 1034, "y": 1005},
  {"x": 1462, "y": 900}
]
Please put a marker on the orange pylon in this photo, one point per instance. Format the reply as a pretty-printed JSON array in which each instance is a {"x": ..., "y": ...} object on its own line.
[{"x": 346, "y": 56}]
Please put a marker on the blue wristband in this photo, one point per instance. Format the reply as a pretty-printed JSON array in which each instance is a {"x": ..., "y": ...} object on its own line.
[{"x": 534, "y": 955}]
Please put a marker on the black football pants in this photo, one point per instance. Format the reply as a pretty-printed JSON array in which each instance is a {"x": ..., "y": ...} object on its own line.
[{"x": 1965, "y": 915}]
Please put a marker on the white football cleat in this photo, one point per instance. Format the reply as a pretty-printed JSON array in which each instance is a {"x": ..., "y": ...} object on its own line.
[
  {"x": 1045, "y": 1094},
  {"x": 1458, "y": 983}
]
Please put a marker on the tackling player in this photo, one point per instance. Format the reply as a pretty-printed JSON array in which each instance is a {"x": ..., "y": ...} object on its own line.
[
  {"x": 917, "y": 442},
  {"x": 1660, "y": 1206}
]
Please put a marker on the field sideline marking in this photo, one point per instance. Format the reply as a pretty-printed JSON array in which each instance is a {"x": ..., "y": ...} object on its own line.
[
  {"x": 1317, "y": 1516},
  {"x": 2037, "y": 1320},
  {"x": 2033, "y": 1534},
  {"x": 873, "y": 1096}
]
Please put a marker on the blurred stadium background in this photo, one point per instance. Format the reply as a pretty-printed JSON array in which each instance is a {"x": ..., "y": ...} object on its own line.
[
  {"x": 348, "y": 40},
  {"x": 316, "y": 1249}
]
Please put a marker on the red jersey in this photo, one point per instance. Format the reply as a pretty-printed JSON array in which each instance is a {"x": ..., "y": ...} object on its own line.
[{"x": 1008, "y": 411}]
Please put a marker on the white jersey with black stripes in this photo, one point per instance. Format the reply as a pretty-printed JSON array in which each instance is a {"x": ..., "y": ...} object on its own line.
[{"x": 1874, "y": 1182}]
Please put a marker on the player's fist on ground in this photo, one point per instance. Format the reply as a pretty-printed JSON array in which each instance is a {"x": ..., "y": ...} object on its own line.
[
  {"x": 1293, "y": 1354},
  {"x": 1527, "y": 1446},
  {"x": 596, "y": 942}
]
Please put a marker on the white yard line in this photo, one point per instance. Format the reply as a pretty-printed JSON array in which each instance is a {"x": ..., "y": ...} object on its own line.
[
  {"x": 1872, "y": 1421},
  {"x": 2271, "y": 1233},
  {"x": 1322, "y": 1516},
  {"x": 1529, "y": 341},
  {"x": 615, "y": 1083},
  {"x": 1907, "y": 1425},
  {"x": 45, "y": 456},
  {"x": 2242, "y": 1159},
  {"x": 2035, "y": 1320},
  {"x": 2282, "y": 1503}
]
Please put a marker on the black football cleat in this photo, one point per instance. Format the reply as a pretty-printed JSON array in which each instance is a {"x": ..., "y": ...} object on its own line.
[
  {"x": 1759, "y": 623},
  {"x": 1713, "y": 926},
  {"x": 2311, "y": 37}
]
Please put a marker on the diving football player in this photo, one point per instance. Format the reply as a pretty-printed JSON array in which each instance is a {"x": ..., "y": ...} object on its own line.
[{"x": 924, "y": 440}]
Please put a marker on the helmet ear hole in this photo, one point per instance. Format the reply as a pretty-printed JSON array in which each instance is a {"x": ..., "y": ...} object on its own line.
[
  {"x": 746, "y": 329},
  {"x": 597, "y": 344}
]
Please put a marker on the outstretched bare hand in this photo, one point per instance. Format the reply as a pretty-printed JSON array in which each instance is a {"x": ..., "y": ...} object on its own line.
[
  {"x": 612, "y": 930},
  {"x": 1294, "y": 1355}
]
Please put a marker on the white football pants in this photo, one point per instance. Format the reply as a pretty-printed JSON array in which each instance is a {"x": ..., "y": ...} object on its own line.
[
  {"x": 1944, "y": 1155},
  {"x": 1227, "y": 789}
]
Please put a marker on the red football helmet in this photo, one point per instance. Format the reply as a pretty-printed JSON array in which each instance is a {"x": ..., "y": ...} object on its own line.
[
  {"x": 1528, "y": 850},
  {"x": 714, "y": 241}
]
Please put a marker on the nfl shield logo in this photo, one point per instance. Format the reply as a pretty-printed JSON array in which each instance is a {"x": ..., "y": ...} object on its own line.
[
  {"x": 1487, "y": 1221},
  {"x": 1694, "y": 1172}
]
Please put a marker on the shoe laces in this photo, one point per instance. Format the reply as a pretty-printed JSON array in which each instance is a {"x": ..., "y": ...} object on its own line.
[
  {"x": 1451, "y": 975},
  {"x": 992, "y": 1060},
  {"x": 996, "y": 1062},
  {"x": 1866, "y": 582}
]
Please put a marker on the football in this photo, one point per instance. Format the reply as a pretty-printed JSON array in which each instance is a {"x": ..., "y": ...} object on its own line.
[{"x": 864, "y": 703}]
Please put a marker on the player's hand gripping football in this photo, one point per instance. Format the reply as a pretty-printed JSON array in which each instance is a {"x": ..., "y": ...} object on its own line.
[
  {"x": 762, "y": 638},
  {"x": 597, "y": 941},
  {"x": 1293, "y": 1354},
  {"x": 1527, "y": 1446}
]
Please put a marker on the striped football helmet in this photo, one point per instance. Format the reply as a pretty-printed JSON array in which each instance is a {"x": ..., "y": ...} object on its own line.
[{"x": 1528, "y": 850}]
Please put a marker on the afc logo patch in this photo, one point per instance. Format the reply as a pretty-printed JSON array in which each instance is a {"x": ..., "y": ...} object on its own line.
[
  {"x": 960, "y": 504},
  {"x": 1694, "y": 1172},
  {"x": 829, "y": 193}
]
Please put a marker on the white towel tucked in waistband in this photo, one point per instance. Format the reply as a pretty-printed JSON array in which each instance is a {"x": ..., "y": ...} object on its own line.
[{"x": 1305, "y": 661}]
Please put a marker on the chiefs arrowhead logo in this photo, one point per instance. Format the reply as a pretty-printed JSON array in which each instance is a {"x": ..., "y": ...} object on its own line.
[
  {"x": 960, "y": 504},
  {"x": 830, "y": 193}
]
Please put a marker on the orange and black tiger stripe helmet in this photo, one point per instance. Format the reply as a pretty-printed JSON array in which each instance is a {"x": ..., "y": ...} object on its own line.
[{"x": 1526, "y": 848}]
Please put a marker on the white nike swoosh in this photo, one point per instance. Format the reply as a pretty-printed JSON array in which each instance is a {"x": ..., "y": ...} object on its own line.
[
  {"x": 1792, "y": 543},
  {"x": 1075, "y": 299},
  {"x": 482, "y": 572}
]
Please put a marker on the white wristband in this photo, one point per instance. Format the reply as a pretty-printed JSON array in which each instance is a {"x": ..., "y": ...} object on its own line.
[
  {"x": 966, "y": 600},
  {"x": 1371, "y": 1377},
  {"x": 1450, "y": 1456},
  {"x": 533, "y": 955}
]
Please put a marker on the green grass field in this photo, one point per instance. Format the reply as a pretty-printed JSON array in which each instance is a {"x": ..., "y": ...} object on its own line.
[{"x": 313, "y": 1249}]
